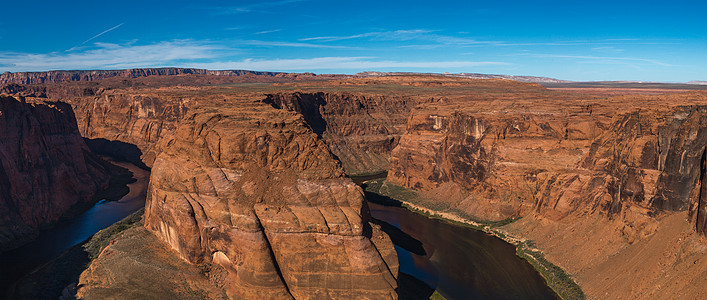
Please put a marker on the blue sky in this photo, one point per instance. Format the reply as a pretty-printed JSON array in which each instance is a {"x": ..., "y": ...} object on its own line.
[{"x": 574, "y": 40}]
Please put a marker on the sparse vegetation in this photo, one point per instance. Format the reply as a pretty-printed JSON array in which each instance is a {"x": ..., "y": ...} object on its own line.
[
  {"x": 561, "y": 282},
  {"x": 437, "y": 296},
  {"x": 65, "y": 270},
  {"x": 94, "y": 245},
  {"x": 392, "y": 194}
]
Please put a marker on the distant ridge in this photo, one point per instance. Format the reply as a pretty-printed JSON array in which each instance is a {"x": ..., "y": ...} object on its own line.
[
  {"x": 627, "y": 85},
  {"x": 535, "y": 79},
  {"x": 90, "y": 75}
]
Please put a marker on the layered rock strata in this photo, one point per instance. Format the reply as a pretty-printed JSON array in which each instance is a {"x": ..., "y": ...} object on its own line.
[
  {"x": 46, "y": 169},
  {"x": 137, "y": 119},
  {"x": 256, "y": 192},
  {"x": 488, "y": 164},
  {"x": 565, "y": 158},
  {"x": 92, "y": 75},
  {"x": 657, "y": 160},
  {"x": 360, "y": 130}
]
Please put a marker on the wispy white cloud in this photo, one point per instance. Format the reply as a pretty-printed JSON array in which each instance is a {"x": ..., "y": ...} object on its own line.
[
  {"x": 205, "y": 54},
  {"x": 607, "y": 49},
  {"x": 599, "y": 42},
  {"x": 97, "y": 35},
  {"x": 604, "y": 59},
  {"x": 253, "y": 7},
  {"x": 268, "y": 31},
  {"x": 343, "y": 63},
  {"x": 292, "y": 44},
  {"x": 424, "y": 35},
  {"x": 429, "y": 39},
  {"x": 111, "y": 56}
]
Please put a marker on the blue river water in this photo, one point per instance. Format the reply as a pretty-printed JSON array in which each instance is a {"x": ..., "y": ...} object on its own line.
[{"x": 54, "y": 241}]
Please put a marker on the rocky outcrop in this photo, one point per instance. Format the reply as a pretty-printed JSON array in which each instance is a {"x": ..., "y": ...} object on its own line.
[
  {"x": 136, "y": 265},
  {"x": 137, "y": 119},
  {"x": 657, "y": 160},
  {"x": 565, "y": 160},
  {"x": 485, "y": 164},
  {"x": 254, "y": 191},
  {"x": 46, "y": 170},
  {"x": 360, "y": 129}
]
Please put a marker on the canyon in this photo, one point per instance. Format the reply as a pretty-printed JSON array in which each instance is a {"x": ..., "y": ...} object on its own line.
[
  {"x": 47, "y": 173},
  {"x": 249, "y": 173}
]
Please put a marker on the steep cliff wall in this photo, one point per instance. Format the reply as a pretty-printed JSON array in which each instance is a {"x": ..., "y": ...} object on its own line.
[
  {"x": 255, "y": 191},
  {"x": 360, "y": 129},
  {"x": 495, "y": 166},
  {"x": 91, "y": 75},
  {"x": 656, "y": 160},
  {"x": 487, "y": 163},
  {"x": 138, "y": 119},
  {"x": 45, "y": 168}
]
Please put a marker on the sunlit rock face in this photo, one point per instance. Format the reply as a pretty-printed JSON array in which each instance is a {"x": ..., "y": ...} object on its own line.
[
  {"x": 360, "y": 129},
  {"x": 255, "y": 191}
]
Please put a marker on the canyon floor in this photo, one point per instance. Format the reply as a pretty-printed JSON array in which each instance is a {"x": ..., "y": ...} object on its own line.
[{"x": 606, "y": 182}]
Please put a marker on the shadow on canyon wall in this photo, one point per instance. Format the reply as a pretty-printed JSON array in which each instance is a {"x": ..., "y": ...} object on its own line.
[{"x": 119, "y": 151}]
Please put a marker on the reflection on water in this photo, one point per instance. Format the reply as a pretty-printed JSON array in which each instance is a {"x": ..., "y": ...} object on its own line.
[
  {"x": 52, "y": 242},
  {"x": 462, "y": 263}
]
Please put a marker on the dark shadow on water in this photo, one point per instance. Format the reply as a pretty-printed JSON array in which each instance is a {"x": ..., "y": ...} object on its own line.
[
  {"x": 458, "y": 262},
  {"x": 61, "y": 275},
  {"x": 411, "y": 288},
  {"x": 400, "y": 238},
  {"x": 117, "y": 150},
  {"x": 41, "y": 253}
]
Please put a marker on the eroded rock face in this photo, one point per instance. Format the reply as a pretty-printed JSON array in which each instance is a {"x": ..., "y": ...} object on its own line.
[
  {"x": 131, "y": 118},
  {"x": 657, "y": 159},
  {"x": 255, "y": 191},
  {"x": 558, "y": 163},
  {"x": 360, "y": 130},
  {"x": 45, "y": 168},
  {"x": 488, "y": 162}
]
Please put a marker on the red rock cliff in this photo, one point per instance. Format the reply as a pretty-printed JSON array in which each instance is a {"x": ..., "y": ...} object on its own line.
[
  {"x": 360, "y": 129},
  {"x": 657, "y": 160},
  {"x": 45, "y": 168},
  {"x": 253, "y": 190},
  {"x": 494, "y": 157}
]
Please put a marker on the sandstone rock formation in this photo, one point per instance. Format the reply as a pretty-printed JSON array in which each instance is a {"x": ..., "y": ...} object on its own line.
[
  {"x": 591, "y": 175},
  {"x": 601, "y": 185},
  {"x": 46, "y": 170},
  {"x": 360, "y": 130},
  {"x": 135, "y": 119},
  {"x": 138, "y": 266},
  {"x": 561, "y": 157},
  {"x": 481, "y": 153},
  {"x": 658, "y": 160},
  {"x": 254, "y": 190}
]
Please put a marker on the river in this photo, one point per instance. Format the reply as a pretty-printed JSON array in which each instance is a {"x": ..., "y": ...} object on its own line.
[
  {"x": 458, "y": 262},
  {"x": 52, "y": 242}
]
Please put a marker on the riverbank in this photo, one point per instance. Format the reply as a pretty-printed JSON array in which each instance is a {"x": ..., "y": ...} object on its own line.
[
  {"x": 126, "y": 196},
  {"x": 59, "y": 276},
  {"x": 557, "y": 279}
]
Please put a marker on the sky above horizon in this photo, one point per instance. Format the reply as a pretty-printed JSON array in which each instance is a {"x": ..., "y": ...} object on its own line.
[{"x": 572, "y": 40}]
